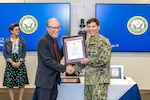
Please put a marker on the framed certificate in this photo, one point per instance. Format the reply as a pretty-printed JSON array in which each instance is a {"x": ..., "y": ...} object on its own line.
[
  {"x": 116, "y": 72},
  {"x": 74, "y": 49}
]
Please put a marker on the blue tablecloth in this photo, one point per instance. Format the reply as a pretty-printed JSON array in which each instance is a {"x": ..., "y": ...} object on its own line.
[{"x": 132, "y": 94}]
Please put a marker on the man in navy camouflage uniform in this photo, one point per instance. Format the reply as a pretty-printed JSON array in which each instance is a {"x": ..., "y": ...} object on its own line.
[{"x": 97, "y": 63}]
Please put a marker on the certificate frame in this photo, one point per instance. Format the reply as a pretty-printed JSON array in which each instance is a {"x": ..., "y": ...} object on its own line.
[
  {"x": 116, "y": 72},
  {"x": 74, "y": 49}
]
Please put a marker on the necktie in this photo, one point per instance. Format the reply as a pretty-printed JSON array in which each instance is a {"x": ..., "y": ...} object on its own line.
[
  {"x": 56, "y": 50},
  {"x": 57, "y": 59}
]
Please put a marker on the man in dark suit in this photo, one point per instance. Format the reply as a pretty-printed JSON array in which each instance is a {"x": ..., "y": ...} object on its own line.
[{"x": 49, "y": 68}]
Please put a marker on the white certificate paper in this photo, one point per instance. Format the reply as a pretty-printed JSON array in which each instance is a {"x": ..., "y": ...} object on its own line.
[
  {"x": 115, "y": 73},
  {"x": 74, "y": 49}
]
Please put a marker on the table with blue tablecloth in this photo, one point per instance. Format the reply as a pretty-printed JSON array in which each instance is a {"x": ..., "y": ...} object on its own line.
[{"x": 125, "y": 89}]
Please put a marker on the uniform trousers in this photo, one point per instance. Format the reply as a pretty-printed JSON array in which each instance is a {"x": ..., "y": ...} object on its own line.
[{"x": 96, "y": 92}]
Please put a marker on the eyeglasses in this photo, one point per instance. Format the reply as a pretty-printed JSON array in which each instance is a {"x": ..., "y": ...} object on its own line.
[
  {"x": 16, "y": 29},
  {"x": 54, "y": 28}
]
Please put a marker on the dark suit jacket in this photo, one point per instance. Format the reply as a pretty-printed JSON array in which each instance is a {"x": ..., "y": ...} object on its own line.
[{"x": 48, "y": 67}]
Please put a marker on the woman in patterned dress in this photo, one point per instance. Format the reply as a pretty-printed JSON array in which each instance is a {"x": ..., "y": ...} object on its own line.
[{"x": 14, "y": 51}]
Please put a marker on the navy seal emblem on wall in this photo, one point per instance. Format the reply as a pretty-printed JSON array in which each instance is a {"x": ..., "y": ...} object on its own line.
[
  {"x": 137, "y": 25},
  {"x": 28, "y": 24}
]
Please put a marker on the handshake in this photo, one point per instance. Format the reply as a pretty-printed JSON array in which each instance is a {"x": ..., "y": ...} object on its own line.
[{"x": 70, "y": 69}]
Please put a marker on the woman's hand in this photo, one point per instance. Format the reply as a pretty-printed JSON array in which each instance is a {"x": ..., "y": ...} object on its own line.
[{"x": 15, "y": 64}]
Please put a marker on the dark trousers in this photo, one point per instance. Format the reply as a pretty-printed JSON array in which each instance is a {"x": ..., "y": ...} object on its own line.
[{"x": 46, "y": 94}]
